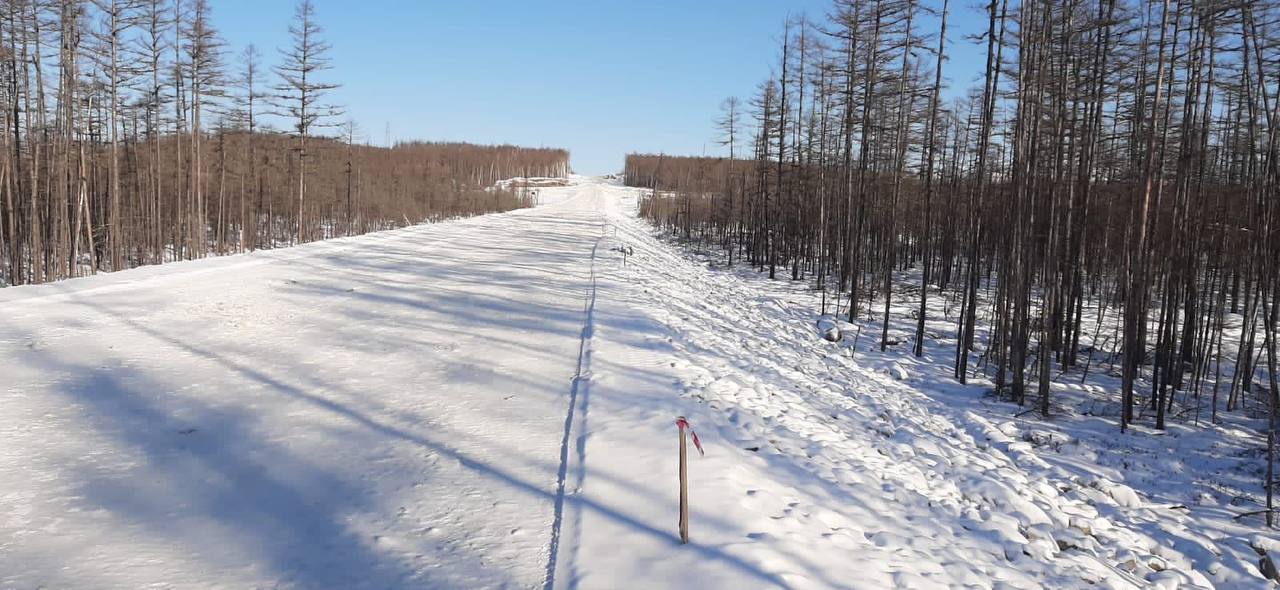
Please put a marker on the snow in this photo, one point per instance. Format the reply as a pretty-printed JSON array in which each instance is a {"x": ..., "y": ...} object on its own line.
[
  {"x": 830, "y": 330},
  {"x": 370, "y": 412},
  {"x": 490, "y": 403}
]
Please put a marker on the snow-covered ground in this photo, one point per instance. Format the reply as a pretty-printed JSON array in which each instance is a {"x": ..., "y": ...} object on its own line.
[
  {"x": 490, "y": 403},
  {"x": 378, "y": 411}
]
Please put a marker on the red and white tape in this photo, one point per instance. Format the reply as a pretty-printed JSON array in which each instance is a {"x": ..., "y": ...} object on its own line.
[{"x": 683, "y": 423}]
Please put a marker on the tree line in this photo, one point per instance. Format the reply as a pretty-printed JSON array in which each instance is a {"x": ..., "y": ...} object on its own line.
[
  {"x": 1109, "y": 185},
  {"x": 132, "y": 136}
]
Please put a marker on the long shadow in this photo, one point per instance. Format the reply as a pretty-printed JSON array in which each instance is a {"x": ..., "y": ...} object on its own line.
[
  {"x": 282, "y": 528},
  {"x": 270, "y": 501},
  {"x": 457, "y": 308},
  {"x": 275, "y": 515}
]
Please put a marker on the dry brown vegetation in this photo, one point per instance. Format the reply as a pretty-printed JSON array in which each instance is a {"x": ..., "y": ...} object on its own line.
[
  {"x": 1118, "y": 158},
  {"x": 1117, "y": 155},
  {"x": 127, "y": 140}
]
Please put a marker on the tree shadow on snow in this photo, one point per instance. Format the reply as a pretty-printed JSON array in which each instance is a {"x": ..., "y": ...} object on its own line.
[{"x": 215, "y": 473}]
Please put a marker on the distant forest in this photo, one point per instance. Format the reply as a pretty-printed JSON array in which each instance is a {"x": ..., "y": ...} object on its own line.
[
  {"x": 133, "y": 135},
  {"x": 1111, "y": 184}
]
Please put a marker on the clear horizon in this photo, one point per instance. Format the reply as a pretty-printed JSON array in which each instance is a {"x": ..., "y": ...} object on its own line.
[{"x": 601, "y": 79}]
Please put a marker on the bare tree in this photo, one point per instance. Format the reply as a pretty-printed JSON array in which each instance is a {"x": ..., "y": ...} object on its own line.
[
  {"x": 203, "y": 69},
  {"x": 250, "y": 96},
  {"x": 301, "y": 95}
]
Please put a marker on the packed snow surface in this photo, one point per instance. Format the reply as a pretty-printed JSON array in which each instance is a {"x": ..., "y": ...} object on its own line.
[{"x": 490, "y": 403}]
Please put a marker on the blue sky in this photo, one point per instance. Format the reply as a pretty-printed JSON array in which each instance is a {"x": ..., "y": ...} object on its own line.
[{"x": 601, "y": 78}]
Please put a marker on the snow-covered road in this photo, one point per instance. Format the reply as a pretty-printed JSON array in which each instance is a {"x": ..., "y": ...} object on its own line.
[
  {"x": 379, "y": 411},
  {"x": 489, "y": 403}
]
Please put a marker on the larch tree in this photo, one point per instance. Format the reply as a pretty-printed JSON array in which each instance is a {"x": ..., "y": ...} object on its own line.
[
  {"x": 729, "y": 125},
  {"x": 1110, "y": 183},
  {"x": 203, "y": 69},
  {"x": 301, "y": 94},
  {"x": 110, "y": 108},
  {"x": 117, "y": 17},
  {"x": 250, "y": 96}
]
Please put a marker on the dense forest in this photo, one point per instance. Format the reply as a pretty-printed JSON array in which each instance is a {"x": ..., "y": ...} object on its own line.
[
  {"x": 132, "y": 135},
  {"x": 1109, "y": 185}
]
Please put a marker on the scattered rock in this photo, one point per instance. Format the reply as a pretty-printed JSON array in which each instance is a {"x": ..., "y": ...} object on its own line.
[
  {"x": 1081, "y": 524},
  {"x": 1038, "y": 532},
  {"x": 830, "y": 330},
  {"x": 1127, "y": 561},
  {"x": 1268, "y": 568},
  {"x": 1072, "y": 539},
  {"x": 1168, "y": 581},
  {"x": 1041, "y": 549},
  {"x": 1121, "y": 494},
  {"x": 1125, "y": 496},
  {"x": 1263, "y": 545}
]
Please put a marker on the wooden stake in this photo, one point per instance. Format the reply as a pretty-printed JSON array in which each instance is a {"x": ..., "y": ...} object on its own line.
[{"x": 684, "y": 491}]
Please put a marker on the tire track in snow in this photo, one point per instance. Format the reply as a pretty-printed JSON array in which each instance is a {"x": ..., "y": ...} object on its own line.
[{"x": 580, "y": 388}]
